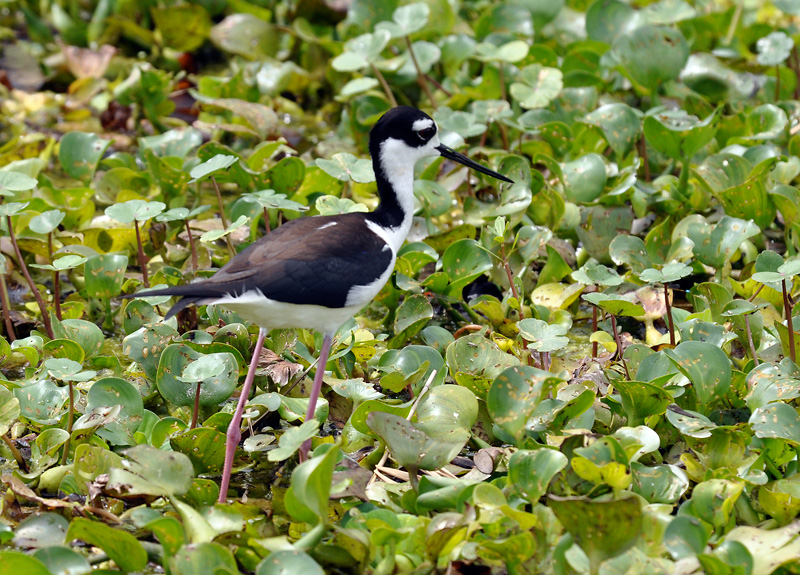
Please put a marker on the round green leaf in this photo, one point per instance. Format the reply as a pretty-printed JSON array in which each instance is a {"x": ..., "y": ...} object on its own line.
[
  {"x": 774, "y": 48},
  {"x": 652, "y": 55},
  {"x": 289, "y": 562},
  {"x": 80, "y": 153},
  {"x": 540, "y": 85},
  {"x": 585, "y": 178},
  {"x": 47, "y": 221},
  {"x": 111, "y": 391}
]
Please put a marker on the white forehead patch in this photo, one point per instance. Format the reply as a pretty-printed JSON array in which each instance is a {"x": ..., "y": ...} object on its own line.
[{"x": 421, "y": 124}]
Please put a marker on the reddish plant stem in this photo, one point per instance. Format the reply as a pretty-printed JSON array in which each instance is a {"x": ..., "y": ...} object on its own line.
[
  {"x": 594, "y": 329},
  {"x": 221, "y": 207},
  {"x": 670, "y": 321},
  {"x": 423, "y": 82},
  {"x": 6, "y": 309},
  {"x": 196, "y": 408},
  {"x": 787, "y": 310},
  {"x": 515, "y": 293},
  {"x": 192, "y": 247},
  {"x": 48, "y": 326},
  {"x": 385, "y": 85},
  {"x": 140, "y": 254}
]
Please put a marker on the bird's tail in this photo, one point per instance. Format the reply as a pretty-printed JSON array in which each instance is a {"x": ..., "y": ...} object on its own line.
[{"x": 191, "y": 294}]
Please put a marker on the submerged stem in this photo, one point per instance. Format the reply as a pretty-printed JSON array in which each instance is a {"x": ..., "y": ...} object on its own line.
[
  {"x": 670, "y": 321},
  {"x": 69, "y": 423},
  {"x": 192, "y": 247},
  {"x": 221, "y": 207},
  {"x": 787, "y": 310},
  {"x": 42, "y": 308},
  {"x": 140, "y": 255},
  {"x": 4, "y": 301}
]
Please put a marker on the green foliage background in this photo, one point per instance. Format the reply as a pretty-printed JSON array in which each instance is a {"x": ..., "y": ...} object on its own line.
[{"x": 592, "y": 370}]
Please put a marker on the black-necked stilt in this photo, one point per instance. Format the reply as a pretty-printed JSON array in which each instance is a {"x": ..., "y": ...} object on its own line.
[{"x": 318, "y": 272}]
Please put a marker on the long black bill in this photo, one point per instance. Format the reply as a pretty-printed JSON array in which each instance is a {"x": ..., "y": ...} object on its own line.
[{"x": 451, "y": 154}]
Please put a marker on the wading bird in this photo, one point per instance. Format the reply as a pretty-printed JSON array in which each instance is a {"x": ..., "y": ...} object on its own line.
[{"x": 318, "y": 272}]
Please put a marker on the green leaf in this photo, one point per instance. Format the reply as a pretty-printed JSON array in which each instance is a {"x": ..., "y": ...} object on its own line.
[
  {"x": 542, "y": 336},
  {"x": 17, "y": 562},
  {"x": 585, "y": 178},
  {"x": 361, "y": 51},
  {"x": 774, "y": 48},
  {"x": 104, "y": 275},
  {"x": 212, "y": 167},
  {"x": 288, "y": 562},
  {"x": 614, "y": 304},
  {"x": 637, "y": 51},
  {"x": 292, "y": 439},
  {"x": 151, "y": 471},
  {"x": 540, "y": 85},
  {"x": 9, "y": 410},
  {"x": 139, "y": 210},
  {"x": 80, "y": 153},
  {"x": 15, "y": 182},
  {"x": 121, "y": 547},
  {"x": 407, "y": 20},
  {"x": 777, "y": 420},
  {"x": 530, "y": 472},
  {"x": 347, "y": 167},
  {"x": 514, "y": 396},
  {"x": 463, "y": 261},
  {"x": 309, "y": 493},
  {"x": 707, "y": 368},
  {"x": 595, "y": 525},
  {"x": 183, "y": 27},
  {"x": 678, "y": 134}
]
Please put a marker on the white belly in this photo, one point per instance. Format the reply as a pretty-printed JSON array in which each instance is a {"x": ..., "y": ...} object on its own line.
[{"x": 270, "y": 314}]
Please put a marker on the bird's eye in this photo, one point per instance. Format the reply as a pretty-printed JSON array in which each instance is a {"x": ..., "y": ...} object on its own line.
[{"x": 427, "y": 133}]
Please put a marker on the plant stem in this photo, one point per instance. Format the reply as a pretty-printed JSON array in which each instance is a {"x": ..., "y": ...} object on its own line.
[
  {"x": 737, "y": 14},
  {"x": 670, "y": 321},
  {"x": 619, "y": 345},
  {"x": 683, "y": 181},
  {"x": 196, "y": 408},
  {"x": 750, "y": 338},
  {"x": 423, "y": 82},
  {"x": 192, "y": 247},
  {"x": 510, "y": 276},
  {"x": 69, "y": 423},
  {"x": 385, "y": 85},
  {"x": 15, "y": 452},
  {"x": 643, "y": 146},
  {"x": 502, "y": 80},
  {"x": 140, "y": 254},
  {"x": 42, "y": 308},
  {"x": 787, "y": 310},
  {"x": 594, "y": 329},
  {"x": 266, "y": 221},
  {"x": 6, "y": 309},
  {"x": 221, "y": 207},
  {"x": 56, "y": 279}
]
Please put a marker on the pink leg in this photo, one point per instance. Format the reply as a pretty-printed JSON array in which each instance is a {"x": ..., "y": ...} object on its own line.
[
  {"x": 234, "y": 429},
  {"x": 316, "y": 388}
]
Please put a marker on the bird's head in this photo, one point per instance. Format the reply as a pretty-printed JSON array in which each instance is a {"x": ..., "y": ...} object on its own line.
[{"x": 405, "y": 135}]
